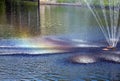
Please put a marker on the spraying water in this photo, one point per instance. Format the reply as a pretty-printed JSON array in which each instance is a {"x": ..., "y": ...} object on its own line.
[{"x": 109, "y": 21}]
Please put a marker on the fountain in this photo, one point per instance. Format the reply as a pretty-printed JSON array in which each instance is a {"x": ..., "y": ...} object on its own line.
[
  {"x": 107, "y": 15},
  {"x": 110, "y": 25}
]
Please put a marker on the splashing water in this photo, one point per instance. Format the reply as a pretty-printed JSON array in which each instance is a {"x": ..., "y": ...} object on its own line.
[{"x": 109, "y": 21}]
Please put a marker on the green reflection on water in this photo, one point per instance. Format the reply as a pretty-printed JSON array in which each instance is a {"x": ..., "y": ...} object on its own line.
[
  {"x": 21, "y": 20},
  {"x": 18, "y": 19},
  {"x": 67, "y": 20}
]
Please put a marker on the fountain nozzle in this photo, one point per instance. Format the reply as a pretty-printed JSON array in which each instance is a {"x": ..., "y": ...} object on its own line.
[{"x": 109, "y": 48}]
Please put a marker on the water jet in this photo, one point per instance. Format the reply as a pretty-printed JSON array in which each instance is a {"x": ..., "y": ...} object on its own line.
[{"x": 109, "y": 25}]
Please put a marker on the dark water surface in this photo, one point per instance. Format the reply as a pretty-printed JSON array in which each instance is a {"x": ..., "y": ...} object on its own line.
[
  {"x": 55, "y": 68},
  {"x": 38, "y": 51}
]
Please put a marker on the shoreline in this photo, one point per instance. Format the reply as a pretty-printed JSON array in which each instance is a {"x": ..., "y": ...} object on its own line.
[
  {"x": 63, "y": 4},
  {"x": 78, "y": 5}
]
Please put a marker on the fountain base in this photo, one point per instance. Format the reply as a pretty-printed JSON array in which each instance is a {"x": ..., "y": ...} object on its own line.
[{"x": 109, "y": 48}]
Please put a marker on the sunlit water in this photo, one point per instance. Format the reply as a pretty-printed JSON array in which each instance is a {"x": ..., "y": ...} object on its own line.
[{"x": 30, "y": 52}]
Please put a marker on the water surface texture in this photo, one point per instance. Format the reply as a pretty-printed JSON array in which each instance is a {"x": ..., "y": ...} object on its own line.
[
  {"x": 55, "y": 68},
  {"x": 37, "y": 44}
]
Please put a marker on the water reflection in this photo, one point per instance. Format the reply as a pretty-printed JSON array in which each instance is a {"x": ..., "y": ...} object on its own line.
[
  {"x": 70, "y": 21},
  {"x": 51, "y": 21},
  {"x": 19, "y": 19},
  {"x": 67, "y": 25},
  {"x": 22, "y": 20}
]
